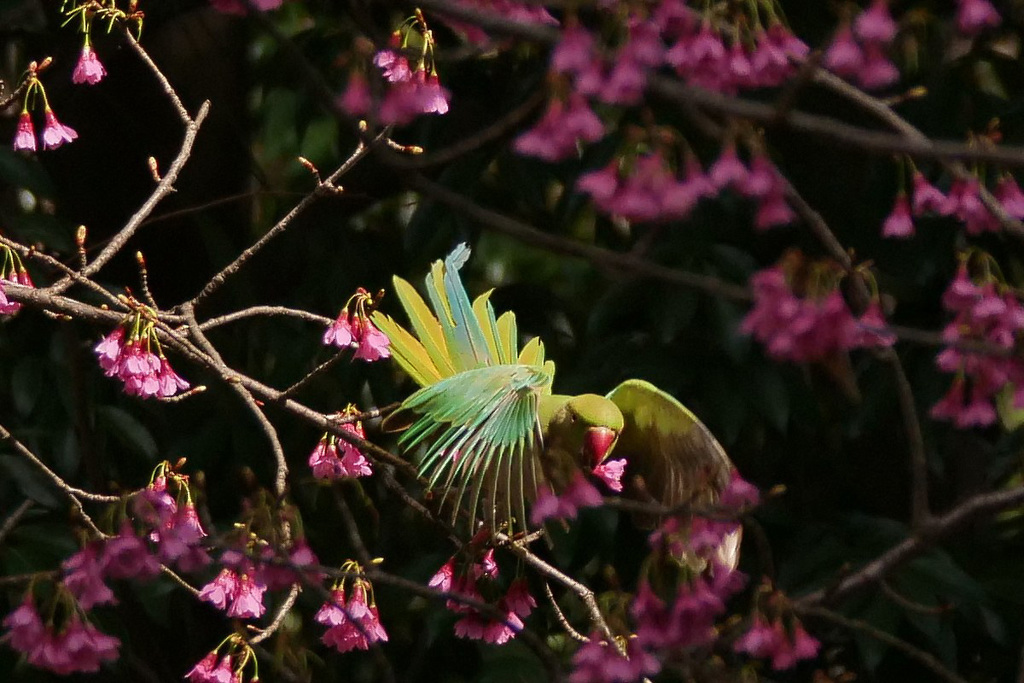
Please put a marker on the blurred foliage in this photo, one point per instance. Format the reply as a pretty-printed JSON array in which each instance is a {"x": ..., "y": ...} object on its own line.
[{"x": 833, "y": 436}]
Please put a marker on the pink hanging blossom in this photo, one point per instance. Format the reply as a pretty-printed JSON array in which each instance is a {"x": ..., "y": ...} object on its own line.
[
  {"x": 844, "y": 56},
  {"x": 25, "y": 136},
  {"x": 875, "y": 24},
  {"x": 974, "y": 16},
  {"x": 356, "y": 98},
  {"x": 785, "y": 648},
  {"x": 899, "y": 223},
  {"x": 579, "y": 494},
  {"x": 559, "y": 130},
  {"x": 928, "y": 198},
  {"x": 83, "y": 577},
  {"x": 241, "y": 7},
  {"x": 89, "y": 69},
  {"x": 610, "y": 472},
  {"x": 56, "y": 133}
]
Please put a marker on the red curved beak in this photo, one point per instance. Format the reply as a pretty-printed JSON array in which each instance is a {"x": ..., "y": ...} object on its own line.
[{"x": 597, "y": 442}]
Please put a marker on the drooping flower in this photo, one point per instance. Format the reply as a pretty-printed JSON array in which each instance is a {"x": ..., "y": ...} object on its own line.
[
  {"x": 1009, "y": 194},
  {"x": 248, "y": 599},
  {"x": 89, "y": 69},
  {"x": 126, "y": 353},
  {"x": 844, "y": 56},
  {"x": 335, "y": 458},
  {"x": 928, "y": 198},
  {"x": 974, "y": 16},
  {"x": 875, "y": 24},
  {"x": 610, "y": 472},
  {"x": 222, "y": 590},
  {"x": 241, "y": 7},
  {"x": 56, "y": 133},
  {"x": 83, "y": 577},
  {"x": 559, "y": 130},
  {"x": 773, "y": 640},
  {"x": 126, "y": 556},
  {"x": 598, "y": 661},
  {"x": 25, "y": 136},
  {"x": 578, "y": 494},
  {"x": 899, "y": 223},
  {"x": 355, "y": 624},
  {"x": 355, "y": 329}
]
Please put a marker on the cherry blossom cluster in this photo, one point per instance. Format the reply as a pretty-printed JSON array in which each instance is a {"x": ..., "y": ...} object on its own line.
[
  {"x": 975, "y": 16},
  {"x": 12, "y": 271},
  {"x": 412, "y": 88},
  {"x": 776, "y": 633},
  {"x": 859, "y": 51},
  {"x": 352, "y": 624},
  {"x": 132, "y": 353},
  {"x": 645, "y": 188},
  {"x": 684, "y": 591},
  {"x": 473, "y": 574},
  {"x": 989, "y": 313},
  {"x": 54, "y": 132},
  {"x": 963, "y": 202},
  {"x": 227, "y": 666},
  {"x": 75, "y": 645},
  {"x": 335, "y": 458},
  {"x": 355, "y": 329},
  {"x": 69, "y": 642},
  {"x": 672, "y": 35},
  {"x": 513, "y": 11},
  {"x": 245, "y": 577},
  {"x": 172, "y": 520},
  {"x": 806, "y": 318}
]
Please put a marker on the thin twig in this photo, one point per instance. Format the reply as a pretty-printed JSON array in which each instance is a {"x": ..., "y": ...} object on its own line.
[
  {"x": 165, "y": 84},
  {"x": 13, "y": 519},
  {"x": 920, "y": 656},
  {"x": 324, "y": 188},
  {"x": 573, "y": 633},
  {"x": 265, "y": 311},
  {"x": 922, "y": 539},
  {"x": 279, "y": 616},
  {"x": 582, "y": 592}
]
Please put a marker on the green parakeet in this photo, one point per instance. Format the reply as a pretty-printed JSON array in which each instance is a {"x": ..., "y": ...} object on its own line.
[{"x": 494, "y": 432}]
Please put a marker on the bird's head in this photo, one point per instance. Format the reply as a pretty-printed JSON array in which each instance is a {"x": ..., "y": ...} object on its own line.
[{"x": 594, "y": 423}]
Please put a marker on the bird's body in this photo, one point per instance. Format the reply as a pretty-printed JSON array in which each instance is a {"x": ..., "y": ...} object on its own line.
[{"x": 493, "y": 431}]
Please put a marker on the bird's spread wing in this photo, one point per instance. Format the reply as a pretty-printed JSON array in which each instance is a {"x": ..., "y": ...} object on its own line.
[
  {"x": 676, "y": 456},
  {"x": 457, "y": 335},
  {"x": 482, "y": 435},
  {"x": 476, "y": 413}
]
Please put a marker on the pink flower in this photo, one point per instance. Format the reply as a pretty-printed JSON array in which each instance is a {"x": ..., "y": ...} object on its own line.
[
  {"x": 600, "y": 184},
  {"x": 1009, "y": 194},
  {"x": 877, "y": 71},
  {"x": 394, "y": 65},
  {"x": 334, "y": 458},
  {"x": 222, "y": 590},
  {"x": 899, "y": 223},
  {"x": 600, "y": 662},
  {"x": 765, "y": 640},
  {"x": 248, "y": 599},
  {"x": 340, "y": 332},
  {"x": 557, "y": 133},
  {"x": 580, "y": 493},
  {"x": 610, "y": 472},
  {"x": 442, "y": 578},
  {"x": 89, "y": 68},
  {"x": 356, "y": 626},
  {"x": 332, "y": 612},
  {"x": 773, "y": 210},
  {"x": 844, "y": 56},
  {"x": 373, "y": 344},
  {"x": 25, "y": 627},
  {"x": 728, "y": 170},
  {"x": 208, "y": 670},
  {"x": 109, "y": 350},
  {"x": 170, "y": 383},
  {"x": 874, "y": 328},
  {"x": 928, "y": 198},
  {"x": 974, "y": 16},
  {"x": 7, "y": 307},
  {"x": 56, "y": 133},
  {"x": 875, "y": 24},
  {"x": 356, "y": 101},
  {"x": 126, "y": 556},
  {"x": 83, "y": 577},
  {"x": 518, "y": 598},
  {"x": 25, "y": 136},
  {"x": 574, "y": 51}
]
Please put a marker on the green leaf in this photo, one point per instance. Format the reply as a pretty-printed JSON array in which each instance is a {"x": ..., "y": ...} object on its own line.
[{"x": 128, "y": 431}]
